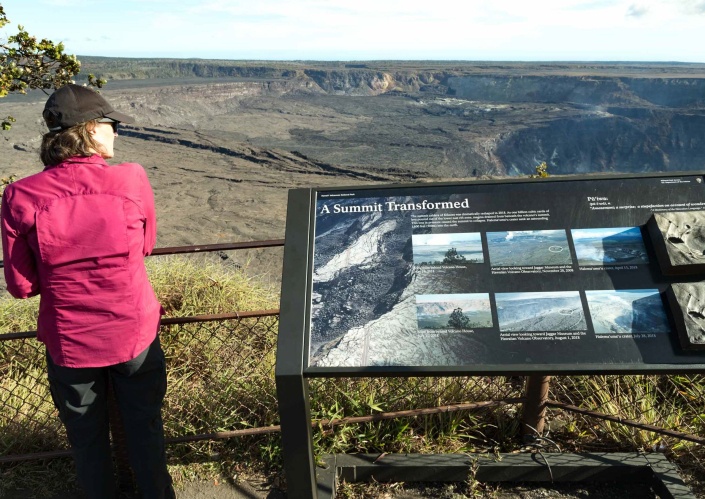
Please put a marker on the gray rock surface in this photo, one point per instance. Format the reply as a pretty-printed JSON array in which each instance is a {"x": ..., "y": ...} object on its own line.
[
  {"x": 687, "y": 304},
  {"x": 679, "y": 241}
]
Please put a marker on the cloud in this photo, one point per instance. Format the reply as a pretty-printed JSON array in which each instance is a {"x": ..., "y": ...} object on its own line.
[
  {"x": 94, "y": 39},
  {"x": 370, "y": 29},
  {"x": 692, "y": 7},
  {"x": 169, "y": 22},
  {"x": 65, "y": 3},
  {"x": 666, "y": 9},
  {"x": 596, "y": 4},
  {"x": 637, "y": 11}
]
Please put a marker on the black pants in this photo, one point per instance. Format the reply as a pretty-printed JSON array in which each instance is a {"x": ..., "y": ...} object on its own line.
[{"x": 80, "y": 395}]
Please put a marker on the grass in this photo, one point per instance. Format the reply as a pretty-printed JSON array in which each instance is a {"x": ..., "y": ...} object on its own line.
[
  {"x": 221, "y": 378},
  {"x": 188, "y": 286},
  {"x": 674, "y": 402}
]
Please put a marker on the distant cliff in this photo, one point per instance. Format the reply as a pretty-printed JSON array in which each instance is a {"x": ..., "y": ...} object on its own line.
[
  {"x": 644, "y": 85},
  {"x": 671, "y": 92},
  {"x": 662, "y": 141},
  {"x": 450, "y": 118}
]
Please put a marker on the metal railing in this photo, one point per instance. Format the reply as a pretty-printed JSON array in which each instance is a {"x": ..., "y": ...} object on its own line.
[
  {"x": 219, "y": 347},
  {"x": 221, "y": 386}
]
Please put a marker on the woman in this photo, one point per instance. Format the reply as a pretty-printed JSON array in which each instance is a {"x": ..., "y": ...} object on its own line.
[{"x": 77, "y": 234}]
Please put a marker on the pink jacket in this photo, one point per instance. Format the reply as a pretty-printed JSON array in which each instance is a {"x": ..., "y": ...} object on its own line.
[{"x": 77, "y": 233}]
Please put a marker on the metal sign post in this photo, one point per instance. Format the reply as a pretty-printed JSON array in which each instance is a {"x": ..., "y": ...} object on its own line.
[{"x": 292, "y": 387}]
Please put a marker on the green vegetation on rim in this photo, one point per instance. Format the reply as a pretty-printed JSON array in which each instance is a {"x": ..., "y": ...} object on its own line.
[{"x": 27, "y": 63}]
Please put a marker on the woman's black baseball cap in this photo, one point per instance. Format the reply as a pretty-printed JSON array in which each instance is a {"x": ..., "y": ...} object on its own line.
[{"x": 74, "y": 104}]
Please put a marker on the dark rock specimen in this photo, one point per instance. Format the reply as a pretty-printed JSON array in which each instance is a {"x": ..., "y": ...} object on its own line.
[
  {"x": 679, "y": 241},
  {"x": 687, "y": 304}
]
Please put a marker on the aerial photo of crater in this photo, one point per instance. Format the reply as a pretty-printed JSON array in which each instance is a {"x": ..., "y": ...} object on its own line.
[
  {"x": 606, "y": 246},
  {"x": 447, "y": 249},
  {"x": 627, "y": 311},
  {"x": 550, "y": 311},
  {"x": 528, "y": 247}
]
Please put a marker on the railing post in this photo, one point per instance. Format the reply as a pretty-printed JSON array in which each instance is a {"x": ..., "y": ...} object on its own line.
[{"x": 536, "y": 394}]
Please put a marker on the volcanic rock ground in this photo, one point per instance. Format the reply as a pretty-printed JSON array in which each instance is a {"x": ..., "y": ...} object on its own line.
[{"x": 221, "y": 174}]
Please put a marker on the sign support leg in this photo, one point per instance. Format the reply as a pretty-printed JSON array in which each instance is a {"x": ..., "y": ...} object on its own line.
[
  {"x": 297, "y": 443},
  {"x": 532, "y": 419}
]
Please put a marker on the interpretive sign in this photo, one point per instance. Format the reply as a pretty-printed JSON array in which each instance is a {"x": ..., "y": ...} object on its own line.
[{"x": 494, "y": 276}]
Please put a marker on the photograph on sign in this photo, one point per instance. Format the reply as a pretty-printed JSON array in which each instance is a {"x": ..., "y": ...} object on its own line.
[
  {"x": 547, "y": 311},
  {"x": 606, "y": 246},
  {"x": 453, "y": 313},
  {"x": 492, "y": 274},
  {"x": 528, "y": 247},
  {"x": 443, "y": 249},
  {"x": 627, "y": 311}
]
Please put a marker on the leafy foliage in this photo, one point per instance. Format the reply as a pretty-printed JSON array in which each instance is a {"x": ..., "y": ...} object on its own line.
[
  {"x": 28, "y": 63},
  {"x": 458, "y": 320},
  {"x": 452, "y": 256},
  {"x": 5, "y": 181},
  {"x": 541, "y": 171}
]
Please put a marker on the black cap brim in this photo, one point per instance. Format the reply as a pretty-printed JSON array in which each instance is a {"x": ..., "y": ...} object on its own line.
[{"x": 118, "y": 116}]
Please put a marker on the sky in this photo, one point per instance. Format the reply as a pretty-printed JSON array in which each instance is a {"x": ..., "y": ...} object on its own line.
[
  {"x": 496, "y": 30},
  {"x": 446, "y": 239}
]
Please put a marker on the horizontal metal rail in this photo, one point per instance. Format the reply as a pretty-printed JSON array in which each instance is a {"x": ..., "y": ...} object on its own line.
[
  {"x": 627, "y": 422},
  {"x": 202, "y": 248},
  {"x": 171, "y": 321},
  {"x": 219, "y": 317},
  {"x": 173, "y": 250},
  {"x": 329, "y": 423},
  {"x": 18, "y": 336},
  {"x": 380, "y": 416},
  {"x": 324, "y": 423},
  {"x": 35, "y": 456}
]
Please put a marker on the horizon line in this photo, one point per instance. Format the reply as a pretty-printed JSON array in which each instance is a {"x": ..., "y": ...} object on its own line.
[{"x": 466, "y": 61}]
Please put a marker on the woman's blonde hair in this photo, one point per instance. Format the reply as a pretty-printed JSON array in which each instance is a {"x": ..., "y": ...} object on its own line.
[{"x": 63, "y": 144}]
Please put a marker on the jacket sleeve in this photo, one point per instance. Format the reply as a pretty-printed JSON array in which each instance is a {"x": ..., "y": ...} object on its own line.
[
  {"x": 18, "y": 259},
  {"x": 150, "y": 221}
]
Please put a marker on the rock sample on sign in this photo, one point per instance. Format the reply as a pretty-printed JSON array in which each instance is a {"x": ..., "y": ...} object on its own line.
[
  {"x": 678, "y": 238},
  {"x": 687, "y": 304}
]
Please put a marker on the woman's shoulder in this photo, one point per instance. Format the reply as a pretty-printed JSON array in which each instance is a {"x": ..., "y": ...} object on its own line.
[
  {"x": 26, "y": 185},
  {"x": 130, "y": 166},
  {"x": 130, "y": 169}
]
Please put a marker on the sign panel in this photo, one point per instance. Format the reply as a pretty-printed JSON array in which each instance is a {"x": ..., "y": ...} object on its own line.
[{"x": 494, "y": 275}]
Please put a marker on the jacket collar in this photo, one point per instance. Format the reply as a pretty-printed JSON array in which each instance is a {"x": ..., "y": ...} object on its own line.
[{"x": 95, "y": 159}]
